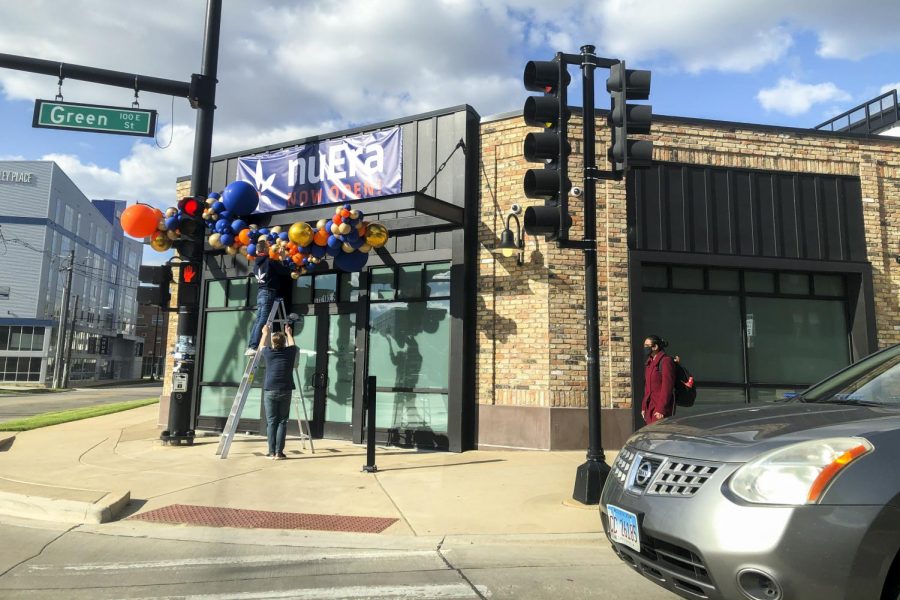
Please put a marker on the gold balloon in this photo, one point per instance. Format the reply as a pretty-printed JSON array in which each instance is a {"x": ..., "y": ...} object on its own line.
[
  {"x": 344, "y": 228},
  {"x": 347, "y": 247},
  {"x": 171, "y": 212},
  {"x": 321, "y": 223},
  {"x": 376, "y": 235},
  {"x": 231, "y": 250},
  {"x": 160, "y": 242},
  {"x": 172, "y": 234},
  {"x": 276, "y": 229},
  {"x": 365, "y": 248},
  {"x": 301, "y": 234},
  {"x": 214, "y": 240},
  {"x": 295, "y": 275}
]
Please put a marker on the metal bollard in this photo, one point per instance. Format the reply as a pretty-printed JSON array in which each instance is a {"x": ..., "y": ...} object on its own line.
[{"x": 369, "y": 398}]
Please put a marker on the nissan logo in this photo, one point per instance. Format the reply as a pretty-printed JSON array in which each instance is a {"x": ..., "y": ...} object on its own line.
[{"x": 644, "y": 473}]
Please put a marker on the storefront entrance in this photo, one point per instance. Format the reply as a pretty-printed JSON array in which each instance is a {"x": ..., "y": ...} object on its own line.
[{"x": 326, "y": 337}]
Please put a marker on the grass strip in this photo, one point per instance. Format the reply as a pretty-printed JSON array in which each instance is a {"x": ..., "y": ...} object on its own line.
[{"x": 75, "y": 414}]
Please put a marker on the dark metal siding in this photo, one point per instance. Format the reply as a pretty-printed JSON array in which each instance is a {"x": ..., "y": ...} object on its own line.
[{"x": 741, "y": 212}]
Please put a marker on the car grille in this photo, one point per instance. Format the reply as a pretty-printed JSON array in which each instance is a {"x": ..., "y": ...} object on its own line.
[
  {"x": 623, "y": 465},
  {"x": 675, "y": 558},
  {"x": 680, "y": 478}
]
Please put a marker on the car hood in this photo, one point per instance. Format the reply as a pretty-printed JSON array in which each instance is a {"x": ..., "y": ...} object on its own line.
[{"x": 738, "y": 435}]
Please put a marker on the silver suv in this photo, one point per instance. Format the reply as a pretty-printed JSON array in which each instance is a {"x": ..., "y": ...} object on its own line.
[{"x": 786, "y": 501}]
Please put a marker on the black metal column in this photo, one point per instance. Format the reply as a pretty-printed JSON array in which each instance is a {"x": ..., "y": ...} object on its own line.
[
  {"x": 182, "y": 401},
  {"x": 591, "y": 475}
]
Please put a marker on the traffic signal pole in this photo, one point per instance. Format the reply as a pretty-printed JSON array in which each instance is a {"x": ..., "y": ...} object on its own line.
[
  {"x": 591, "y": 475},
  {"x": 184, "y": 379}
]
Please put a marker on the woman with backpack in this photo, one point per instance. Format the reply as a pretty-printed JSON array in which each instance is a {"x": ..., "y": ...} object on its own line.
[{"x": 659, "y": 381}]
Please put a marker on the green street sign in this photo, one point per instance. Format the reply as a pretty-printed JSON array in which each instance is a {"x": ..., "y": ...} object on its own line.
[{"x": 94, "y": 118}]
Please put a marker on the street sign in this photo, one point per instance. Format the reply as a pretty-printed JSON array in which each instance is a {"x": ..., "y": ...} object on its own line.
[{"x": 94, "y": 118}]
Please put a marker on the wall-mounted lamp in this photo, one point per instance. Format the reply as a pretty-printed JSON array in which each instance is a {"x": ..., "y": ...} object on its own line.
[{"x": 510, "y": 245}]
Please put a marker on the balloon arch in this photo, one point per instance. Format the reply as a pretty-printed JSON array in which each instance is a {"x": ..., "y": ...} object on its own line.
[{"x": 346, "y": 237}]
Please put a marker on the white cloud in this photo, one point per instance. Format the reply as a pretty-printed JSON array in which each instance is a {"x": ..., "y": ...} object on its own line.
[
  {"x": 890, "y": 87},
  {"x": 795, "y": 98}
]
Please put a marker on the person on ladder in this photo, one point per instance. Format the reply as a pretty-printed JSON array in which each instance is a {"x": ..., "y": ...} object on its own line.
[
  {"x": 273, "y": 281},
  {"x": 281, "y": 360}
]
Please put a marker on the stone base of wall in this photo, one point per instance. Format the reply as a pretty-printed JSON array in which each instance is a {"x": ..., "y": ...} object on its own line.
[{"x": 543, "y": 428}]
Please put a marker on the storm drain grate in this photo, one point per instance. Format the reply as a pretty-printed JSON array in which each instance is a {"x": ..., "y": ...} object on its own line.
[{"x": 260, "y": 519}]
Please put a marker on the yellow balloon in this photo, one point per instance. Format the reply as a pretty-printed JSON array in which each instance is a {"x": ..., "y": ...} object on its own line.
[
  {"x": 301, "y": 234},
  {"x": 376, "y": 235},
  {"x": 347, "y": 247},
  {"x": 160, "y": 242}
]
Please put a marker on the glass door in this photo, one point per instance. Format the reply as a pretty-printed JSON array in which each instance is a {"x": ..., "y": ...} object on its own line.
[{"x": 326, "y": 340}]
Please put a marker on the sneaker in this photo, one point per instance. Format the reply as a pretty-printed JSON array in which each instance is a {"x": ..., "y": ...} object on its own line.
[
  {"x": 250, "y": 352},
  {"x": 280, "y": 456},
  {"x": 270, "y": 454}
]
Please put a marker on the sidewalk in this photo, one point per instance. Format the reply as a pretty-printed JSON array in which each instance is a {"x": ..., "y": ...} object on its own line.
[{"x": 114, "y": 467}]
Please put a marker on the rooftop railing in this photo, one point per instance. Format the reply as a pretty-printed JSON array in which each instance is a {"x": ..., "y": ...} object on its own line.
[{"x": 873, "y": 116}]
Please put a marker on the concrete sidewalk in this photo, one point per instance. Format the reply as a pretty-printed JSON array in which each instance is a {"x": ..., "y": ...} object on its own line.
[{"x": 114, "y": 466}]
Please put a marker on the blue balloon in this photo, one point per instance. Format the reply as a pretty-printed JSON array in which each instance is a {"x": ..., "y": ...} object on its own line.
[
  {"x": 227, "y": 239},
  {"x": 214, "y": 195},
  {"x": 317, "y": 251},
  {"x": 352, "y": 236},
  {"x": 361, "y": 215},
  {"x": 237, "y": 225},
  {"x": 284, "y": 236},
  {"x": 172, "y": 223},
  {"x": 251, "y": 249},
  {"x": 351, "y": 262},
  {"x": 357, "y": 243},
  {"x": 240, "y": 197},
  {"x": 226, "y": 214},
  {"x": 334, "y": 242},
  {"x": 264, "y": 231},
  {"x": 218, "y": 207},
  {"x": 222, "y": 226}
]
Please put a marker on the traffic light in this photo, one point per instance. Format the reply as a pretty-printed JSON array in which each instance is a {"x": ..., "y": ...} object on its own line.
[
  {"x": 628, "y": 119},
  {"x": 157, "y": 293},
  {"x": 192, "y": 228},
  {"x": 550, "y": 146}
]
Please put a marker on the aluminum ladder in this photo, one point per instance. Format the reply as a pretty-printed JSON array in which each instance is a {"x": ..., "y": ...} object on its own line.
[{"x": 276, "y": 315}]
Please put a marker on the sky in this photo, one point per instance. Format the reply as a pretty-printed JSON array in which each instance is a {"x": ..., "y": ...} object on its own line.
[{"x": 289, "y": 69}]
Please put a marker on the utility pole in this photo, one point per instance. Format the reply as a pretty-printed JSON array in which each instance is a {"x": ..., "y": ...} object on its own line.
[
  {"x": 61, "y": 326},
  {"x": 70, "y": 341},
  {"x": 153, "y": 370}
]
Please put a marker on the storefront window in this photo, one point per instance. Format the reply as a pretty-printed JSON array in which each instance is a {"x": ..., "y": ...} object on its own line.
[
  {"x": 793, "y": 283},
  {"x": 410, "y": 282},
  {"x": 303, "y": 290},
  {"x": 687, "y": 278},
  {"x": 828, "y": 285},
  {"x": 703, "y": 330},
  {"x": 216, "y": 401},
  {"x": 215, "y": 293},
  {"x": 654, "y": 276},
  {"x": 349, "y": 287},
  {"x": 724, "y": 281},
  {"x": 326, "y": 288},
  {"x": 437, "y": 280},
  {"x": 237, "y": 293},
  {"x": 381, "y": 286},
  {"x": 408, "y": 352},
  {"x": 759, "y": 282},
  {"x": 227, "y": 334},
  {"x": 796, "y": 341}
]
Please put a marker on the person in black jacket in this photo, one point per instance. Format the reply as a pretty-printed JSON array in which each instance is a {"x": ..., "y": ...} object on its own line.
[
  {"x": 281, "y": 359},
  {"x": 274, "y": 281}
]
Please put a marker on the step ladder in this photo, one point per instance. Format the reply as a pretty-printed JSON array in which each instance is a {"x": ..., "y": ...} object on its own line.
[{"x": 276, "y": 315}]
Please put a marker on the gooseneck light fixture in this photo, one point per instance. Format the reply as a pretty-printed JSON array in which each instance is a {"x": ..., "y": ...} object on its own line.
[{"x": 511, "y": 245}]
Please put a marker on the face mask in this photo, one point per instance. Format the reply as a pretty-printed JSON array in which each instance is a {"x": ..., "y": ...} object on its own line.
[{"x": 647, "y": 351}]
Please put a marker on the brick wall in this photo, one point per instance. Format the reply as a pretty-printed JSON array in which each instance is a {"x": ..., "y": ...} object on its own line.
[{"x": 530, "y": 325}]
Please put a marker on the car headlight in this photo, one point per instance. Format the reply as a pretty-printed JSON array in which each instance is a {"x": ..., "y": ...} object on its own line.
[{"x": 796, "y": 474}]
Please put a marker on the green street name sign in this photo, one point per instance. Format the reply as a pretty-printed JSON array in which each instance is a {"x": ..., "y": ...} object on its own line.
[{"x": 94, "y": 118}]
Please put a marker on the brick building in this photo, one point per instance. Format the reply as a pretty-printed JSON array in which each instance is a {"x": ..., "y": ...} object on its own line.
[{"x": 744, "y": 245}]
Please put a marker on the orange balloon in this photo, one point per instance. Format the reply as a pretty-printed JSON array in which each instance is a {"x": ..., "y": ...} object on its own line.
[
  {"x": 321, "y": 237},
  {"x": 297, "y": 259},
  {"x": 345, "y": 213},
  {"x": 362, "y": 230},
  {"x": 139, "y": 220},
  {"x": 337, "y": 220},
  {"x": 244, "y": 237}
]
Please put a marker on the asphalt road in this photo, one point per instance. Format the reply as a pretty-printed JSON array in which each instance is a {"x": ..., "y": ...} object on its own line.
[
  {"x": 150, "y": 561},
  {"x": 18, "y": 406}
]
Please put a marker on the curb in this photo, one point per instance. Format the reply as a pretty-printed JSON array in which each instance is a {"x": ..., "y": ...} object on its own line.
[{"x": 27, "y": 506}]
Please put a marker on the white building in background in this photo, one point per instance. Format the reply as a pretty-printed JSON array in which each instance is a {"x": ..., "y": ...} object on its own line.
[{"x": 44, "y": 217}]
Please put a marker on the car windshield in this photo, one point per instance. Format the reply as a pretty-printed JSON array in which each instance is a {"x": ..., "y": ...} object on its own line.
[{"x": 874, "y": 380}]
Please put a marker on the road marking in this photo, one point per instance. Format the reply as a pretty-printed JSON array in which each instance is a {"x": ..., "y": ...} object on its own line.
[
  {"x": 394, "y": 592},
  {"x": 280, "y": 559}
]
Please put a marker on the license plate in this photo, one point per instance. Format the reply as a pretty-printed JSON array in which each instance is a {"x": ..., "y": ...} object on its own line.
[{"x": 623, "y": 527}]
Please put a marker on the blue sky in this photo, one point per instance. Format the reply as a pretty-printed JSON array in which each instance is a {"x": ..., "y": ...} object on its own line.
[{"x": 290, "y": 69}]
